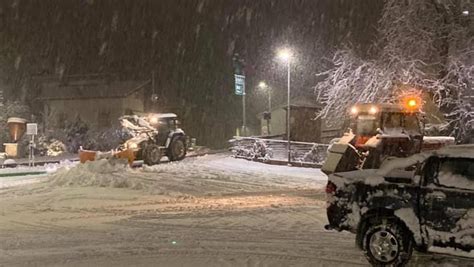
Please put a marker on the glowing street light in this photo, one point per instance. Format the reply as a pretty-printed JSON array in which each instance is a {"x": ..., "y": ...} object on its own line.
[{"x": 286, "y": 56}]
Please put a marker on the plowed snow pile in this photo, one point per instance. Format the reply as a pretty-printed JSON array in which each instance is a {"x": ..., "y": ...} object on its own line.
[
  {"x": 100, "y": 173},
  {"x": 197, "y": 177}
]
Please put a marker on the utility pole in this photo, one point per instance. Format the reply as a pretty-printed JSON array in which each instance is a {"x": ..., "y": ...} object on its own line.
[
  {"x": 239, "y": 76},
  {"x": 153, "y": 82},
  {"x": 288, "y": 117},
  {"x": 269, "y": 110},
  {"x": 286, "y": 56},
  {"x": 244, "y": 120},
  {"x": 267, "y": 114}
]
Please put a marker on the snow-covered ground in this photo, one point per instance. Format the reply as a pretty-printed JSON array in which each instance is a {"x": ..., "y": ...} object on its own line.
[{"x": 206, "y": 211}]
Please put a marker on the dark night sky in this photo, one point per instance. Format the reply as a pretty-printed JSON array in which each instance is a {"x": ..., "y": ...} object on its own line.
[{"x": 188, "y": 43}]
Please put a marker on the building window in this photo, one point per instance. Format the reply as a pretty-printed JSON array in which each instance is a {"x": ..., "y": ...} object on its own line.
[{"x": 104, "y": 119}]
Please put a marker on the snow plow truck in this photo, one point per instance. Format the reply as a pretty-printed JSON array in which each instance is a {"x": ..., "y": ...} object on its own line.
[
  {"x": 378, "y": 132},
  {"x": 153, "y": 137}
]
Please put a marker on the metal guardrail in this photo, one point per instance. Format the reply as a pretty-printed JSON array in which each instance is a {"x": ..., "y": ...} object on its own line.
[{"x": 275, "y": 151}]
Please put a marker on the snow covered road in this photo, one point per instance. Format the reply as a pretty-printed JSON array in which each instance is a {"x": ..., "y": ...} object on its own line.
[{"x": 206, "y": 211}]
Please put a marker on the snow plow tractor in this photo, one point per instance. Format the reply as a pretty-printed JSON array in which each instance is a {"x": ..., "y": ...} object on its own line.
[
  {"x": 378, "y": 132},
  {"x": 153, "y": 137}
]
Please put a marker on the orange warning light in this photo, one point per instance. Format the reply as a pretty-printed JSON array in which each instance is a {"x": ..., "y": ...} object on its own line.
[{"x": 411, "y": 103}]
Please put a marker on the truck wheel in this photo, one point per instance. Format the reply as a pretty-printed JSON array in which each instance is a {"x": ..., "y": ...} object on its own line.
[
  {"x": 177, "y": 149},
  {"x": 152, "y": 155},
  {"x": 387, "y": 242}
]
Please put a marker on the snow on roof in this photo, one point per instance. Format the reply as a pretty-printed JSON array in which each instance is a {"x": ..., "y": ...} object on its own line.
[
  {"x": 385, "y": 107},
  {"x": 89, "y": 89},
  {"x": 438, "y": 139},
  {"x": 297, "y": 102},
  {"x": 164, "y": 115}
]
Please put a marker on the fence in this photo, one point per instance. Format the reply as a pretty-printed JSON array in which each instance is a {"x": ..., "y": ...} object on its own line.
[{"x": 276, "y": 152}]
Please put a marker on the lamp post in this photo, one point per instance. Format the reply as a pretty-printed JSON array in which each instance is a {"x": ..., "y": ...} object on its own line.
[
  {"x": 285, "y": 55},
  {"x": 263, "y": 86}
]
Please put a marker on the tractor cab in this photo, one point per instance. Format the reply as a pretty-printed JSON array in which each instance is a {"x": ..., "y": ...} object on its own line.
[
  {"x": 377, "y": 132},
  {"x": 383, "y": 120},
  {"x": 164, "y": 122},
  {"x": 168, "y": 127}
]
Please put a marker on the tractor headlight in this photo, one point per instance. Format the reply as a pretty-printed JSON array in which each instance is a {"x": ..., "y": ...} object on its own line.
[
  {"x": 154, "y": 120},
  {"x": 373, "y": 110},
  {"x": 132, "y": 146}
]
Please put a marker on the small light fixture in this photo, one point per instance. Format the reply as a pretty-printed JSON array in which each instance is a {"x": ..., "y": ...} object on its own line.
[{"x": 465, "y": 13}]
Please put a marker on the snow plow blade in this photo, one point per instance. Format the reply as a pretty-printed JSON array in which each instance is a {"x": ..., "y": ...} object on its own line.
[
  {"x": 341, "y": 158},
  {"x": 89, "y": 155}
]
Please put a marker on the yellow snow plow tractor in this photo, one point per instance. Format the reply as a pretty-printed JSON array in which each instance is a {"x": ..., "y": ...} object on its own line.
[
  {"x": 378, "y": 132},
  {"x": 153, "y": 137}
]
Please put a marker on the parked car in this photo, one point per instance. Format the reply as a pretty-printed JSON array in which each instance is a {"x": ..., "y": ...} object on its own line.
[{"x": 409, "y": 203}]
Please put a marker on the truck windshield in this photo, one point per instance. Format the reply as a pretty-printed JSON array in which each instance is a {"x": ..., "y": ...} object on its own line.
[
  {"x": 412, "y": 124},
  {"x": 400, "y": 123},
  {"x": 366, "y": 125}
]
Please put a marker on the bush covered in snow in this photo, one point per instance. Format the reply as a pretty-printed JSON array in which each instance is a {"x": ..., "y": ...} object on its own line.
[
  {"x": 49, "y": 146},
  {"x": 78, "y": 134}
]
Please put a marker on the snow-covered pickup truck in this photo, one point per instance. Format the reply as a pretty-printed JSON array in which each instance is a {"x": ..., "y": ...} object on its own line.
[{"x": 426, "y": 200}]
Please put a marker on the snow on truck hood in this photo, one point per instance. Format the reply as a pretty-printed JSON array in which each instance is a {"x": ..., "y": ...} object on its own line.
[
  {"x": 376, "y": 176},
  {"x": 369, "y": 176}
]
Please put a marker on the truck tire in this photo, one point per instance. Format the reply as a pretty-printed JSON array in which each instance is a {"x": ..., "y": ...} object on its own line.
[
  {"x": 151, "y": 155},
  {"x": 387, "y": 242},
  {"x": 177, "y": 148}
]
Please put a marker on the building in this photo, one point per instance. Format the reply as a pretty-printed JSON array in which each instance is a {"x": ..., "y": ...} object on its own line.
[
  {"x": 304, "y": 124},
  {"x": 97, "y": 102}
]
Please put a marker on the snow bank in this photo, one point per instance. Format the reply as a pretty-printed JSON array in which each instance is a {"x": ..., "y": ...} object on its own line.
[
  {"x": 211, "y": 175},
  {"x": 101, "y": 173}
]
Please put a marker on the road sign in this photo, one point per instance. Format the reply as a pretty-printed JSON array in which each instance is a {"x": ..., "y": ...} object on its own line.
[
  {"x": 239, "y": 84},
  {"x": 31, "y": 128}
]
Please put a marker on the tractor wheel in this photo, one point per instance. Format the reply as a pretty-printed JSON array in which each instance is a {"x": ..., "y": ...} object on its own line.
[
  {"x": 177, "y": 149},
  {"x": 152, "y": 155}
]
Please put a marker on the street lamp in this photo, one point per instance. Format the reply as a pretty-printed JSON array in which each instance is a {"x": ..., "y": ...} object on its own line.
[
  {"x": 285, "y": 55},
  {"x": 264, "y": 87}
]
